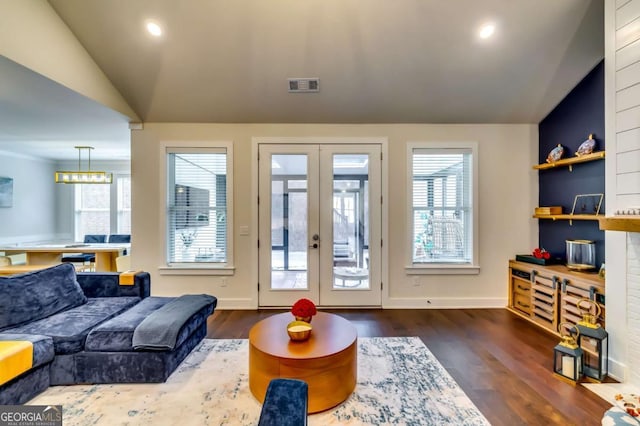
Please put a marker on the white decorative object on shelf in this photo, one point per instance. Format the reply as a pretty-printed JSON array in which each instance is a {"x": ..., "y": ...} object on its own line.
[{"x": 629, "y": 211}]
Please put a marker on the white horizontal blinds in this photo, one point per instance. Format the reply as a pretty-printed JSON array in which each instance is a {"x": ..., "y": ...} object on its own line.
[
  {"x": 197, "y": 214},
  {"x": 442, "y": 206}
]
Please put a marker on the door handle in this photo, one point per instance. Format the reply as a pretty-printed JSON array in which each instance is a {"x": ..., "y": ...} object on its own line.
[{"x": 314, "y": 245}]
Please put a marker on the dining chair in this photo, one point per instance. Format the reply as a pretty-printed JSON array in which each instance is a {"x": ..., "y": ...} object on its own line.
[{"x": 85, "y": 258}]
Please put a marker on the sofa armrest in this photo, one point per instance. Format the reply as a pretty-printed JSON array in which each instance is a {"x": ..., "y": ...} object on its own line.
[{"x": 107, "y": 284}]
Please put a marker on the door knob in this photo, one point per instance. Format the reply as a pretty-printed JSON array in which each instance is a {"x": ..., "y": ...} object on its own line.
[{"x": 314, "y": 245}]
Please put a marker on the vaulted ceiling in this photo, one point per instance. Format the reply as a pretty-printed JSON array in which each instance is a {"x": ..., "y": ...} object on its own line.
[{"x": 378, "y": 61}]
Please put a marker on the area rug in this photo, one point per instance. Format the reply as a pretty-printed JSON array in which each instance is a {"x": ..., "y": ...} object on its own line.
[{"x": 400, "y": 382}]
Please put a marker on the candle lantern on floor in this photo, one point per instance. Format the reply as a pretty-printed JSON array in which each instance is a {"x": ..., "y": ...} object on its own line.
[
  {"x": 593, "y": 340},
  {"x": 567, "y": 359}
]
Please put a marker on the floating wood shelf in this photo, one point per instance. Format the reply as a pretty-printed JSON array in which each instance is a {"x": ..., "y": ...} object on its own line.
[
  {"x": 568, "y": 216},
  {"x": 570, "y": 161},
  {"x": 620, "y": 223}
]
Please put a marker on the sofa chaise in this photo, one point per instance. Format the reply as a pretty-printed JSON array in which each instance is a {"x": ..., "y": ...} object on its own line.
[{"x": 59, "y": 328}]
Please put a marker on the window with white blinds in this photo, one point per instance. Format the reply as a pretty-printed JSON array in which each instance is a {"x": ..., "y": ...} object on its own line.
[
  {"x": 442, "y": 206},
  {"x": 103, "y": 209},
  {"x": 198, "y": 208}
]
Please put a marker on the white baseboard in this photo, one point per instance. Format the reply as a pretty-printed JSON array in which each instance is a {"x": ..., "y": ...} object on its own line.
[
  {"x": 617, "y": 370},
  {"x": 236, "y": 303},
  {"x": 445, "y": 303},
  {"x": 394, "y": 303}
]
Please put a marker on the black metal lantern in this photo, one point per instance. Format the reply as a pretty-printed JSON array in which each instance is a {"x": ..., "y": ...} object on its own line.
[
  {"x": 594, "y": 342},
  {"x": 567, "y": 355}
]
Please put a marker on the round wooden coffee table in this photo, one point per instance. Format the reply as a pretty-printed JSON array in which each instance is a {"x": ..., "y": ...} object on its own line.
[{"x": 327, "y": 361}]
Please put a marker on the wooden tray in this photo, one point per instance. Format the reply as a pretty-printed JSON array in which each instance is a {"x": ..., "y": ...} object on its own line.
[{"x": 532, "y": 259}]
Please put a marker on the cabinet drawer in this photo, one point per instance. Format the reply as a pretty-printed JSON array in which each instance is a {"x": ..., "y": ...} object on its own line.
[
  {"x": 522, "y": 303},
  {"x": 521, "y": 287}
]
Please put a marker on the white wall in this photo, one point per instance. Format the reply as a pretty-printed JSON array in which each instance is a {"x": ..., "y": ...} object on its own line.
[
  {"x": 507, "y": 192},
  {"x": 33, "y": 215},
  {"x": 33, "y": 35},
  {"x": 622, "y": 122}
]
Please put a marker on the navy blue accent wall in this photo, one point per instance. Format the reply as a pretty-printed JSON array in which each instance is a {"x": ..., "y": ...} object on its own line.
[{"x": 581, "y": 112}]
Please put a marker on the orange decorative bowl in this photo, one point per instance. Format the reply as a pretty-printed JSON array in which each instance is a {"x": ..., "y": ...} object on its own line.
[{"x": 299, "y": 330}]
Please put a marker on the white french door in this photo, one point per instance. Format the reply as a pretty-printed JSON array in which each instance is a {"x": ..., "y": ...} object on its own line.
[{"x": 319, "y": 224}]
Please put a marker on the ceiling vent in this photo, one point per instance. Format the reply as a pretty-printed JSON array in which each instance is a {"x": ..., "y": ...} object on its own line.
[{"x": 304, "y": 85}]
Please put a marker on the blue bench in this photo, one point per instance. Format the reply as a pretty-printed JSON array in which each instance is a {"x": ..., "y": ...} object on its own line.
[{"x": 285, "y": 403}]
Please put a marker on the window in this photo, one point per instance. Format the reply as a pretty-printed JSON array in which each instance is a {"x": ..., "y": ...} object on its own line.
[
  {"x": 92, "y": 212},
  {"x": 123, "y": 208},
  {"x": 103, "y": 209},
  {"x": 198, "y": 211},
  {"x": 443, "y": 225}
]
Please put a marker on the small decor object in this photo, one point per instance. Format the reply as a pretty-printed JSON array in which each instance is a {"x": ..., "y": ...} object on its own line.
[
  {"x": 593, "y": 340},
  {"x": 304, "y": 310},
  {"x": 299, "y": 330},
  {"x": 587, "y": 204},
  {"x": 602, "y": 272},
  {"x": 540, "y": 253},
  {"x": 548, "y": 210},
  {"x": 581, "y": 255},
  {"x": 567, "y": 359},
  {"x": 587, "y": 146},
  {"x": 555, "y": 154}
]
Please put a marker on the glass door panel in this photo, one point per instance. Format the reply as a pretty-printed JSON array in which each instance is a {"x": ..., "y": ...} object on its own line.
[
  {"x": 347, "y": 173},
  {"x": 285, "y": 224},
  {"x": 315, "y": 217}
]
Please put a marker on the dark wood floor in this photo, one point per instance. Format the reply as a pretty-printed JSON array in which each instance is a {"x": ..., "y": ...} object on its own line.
[{"x": 503, "y": 363}]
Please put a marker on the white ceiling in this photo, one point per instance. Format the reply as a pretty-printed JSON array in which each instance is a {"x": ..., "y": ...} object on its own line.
[{"x": 378, "y": 61}]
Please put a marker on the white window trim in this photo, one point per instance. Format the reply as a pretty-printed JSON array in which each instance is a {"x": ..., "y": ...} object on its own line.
[
  {"x": 442, "y": 268},
  {"x": 227, "y": 268}
]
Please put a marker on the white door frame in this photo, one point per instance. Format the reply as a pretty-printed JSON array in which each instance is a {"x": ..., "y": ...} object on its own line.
[{"x": 253, "y": 234}]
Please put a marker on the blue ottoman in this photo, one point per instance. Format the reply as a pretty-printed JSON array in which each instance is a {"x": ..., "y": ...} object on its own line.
[{"x": 285, "y": 403}]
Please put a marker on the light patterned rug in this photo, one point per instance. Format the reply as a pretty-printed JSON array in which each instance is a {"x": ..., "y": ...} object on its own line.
[{"x": 399, "y": 382}]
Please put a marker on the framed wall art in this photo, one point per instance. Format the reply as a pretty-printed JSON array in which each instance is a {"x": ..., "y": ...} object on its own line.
[{"x": 6, "y": 192}]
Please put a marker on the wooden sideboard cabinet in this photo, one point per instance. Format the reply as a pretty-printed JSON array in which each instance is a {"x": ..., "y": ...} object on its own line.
[{"x": 548, "y": 295}]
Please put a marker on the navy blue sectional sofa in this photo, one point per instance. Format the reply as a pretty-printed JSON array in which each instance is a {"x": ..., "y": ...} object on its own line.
[{"x": 83, "y": 329}]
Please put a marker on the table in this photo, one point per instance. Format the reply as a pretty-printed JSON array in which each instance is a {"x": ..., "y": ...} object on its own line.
[
  {"x": 19, "y": 269},
  {"x": 327, "y": 361},
  {"x": 51, "y": 254},
  {"x": 351, "y": 274}
]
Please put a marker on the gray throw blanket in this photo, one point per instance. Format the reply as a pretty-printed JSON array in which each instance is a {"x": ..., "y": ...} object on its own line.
[{"x": 159, "y": 331}]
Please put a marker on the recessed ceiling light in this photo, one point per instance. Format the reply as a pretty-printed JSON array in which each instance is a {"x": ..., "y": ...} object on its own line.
[
  {"x": 154, "y": 29},
  {"x": 486, "y": 30}
]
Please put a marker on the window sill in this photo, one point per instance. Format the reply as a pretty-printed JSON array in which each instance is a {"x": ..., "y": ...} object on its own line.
[
  {"x": 196, "y": 270},
  {"x": 442, "y": 269}
]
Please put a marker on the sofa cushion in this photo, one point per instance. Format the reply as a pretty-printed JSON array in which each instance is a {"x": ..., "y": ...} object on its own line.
[
  {"x": 69, "y": 329},
  {"x": 35, "y": 295},
  {"x": 42, "y": 346},
  {"x": 116, "y": 334}
]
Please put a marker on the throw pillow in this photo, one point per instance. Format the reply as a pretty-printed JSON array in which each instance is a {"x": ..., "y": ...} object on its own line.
[{"x": 35, "y": 295}]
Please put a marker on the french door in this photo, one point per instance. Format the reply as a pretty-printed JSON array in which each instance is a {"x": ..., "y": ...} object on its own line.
[{"x": 319, "y": 224}]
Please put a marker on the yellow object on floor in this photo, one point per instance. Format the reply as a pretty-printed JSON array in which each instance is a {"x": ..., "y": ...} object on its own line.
[{"x": 16, "y": 357}]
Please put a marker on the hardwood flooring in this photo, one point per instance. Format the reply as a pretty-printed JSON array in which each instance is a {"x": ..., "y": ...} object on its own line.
[{"x": 502, "y": 362}]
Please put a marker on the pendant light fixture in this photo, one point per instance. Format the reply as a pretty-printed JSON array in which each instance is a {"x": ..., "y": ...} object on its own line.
[{"x": 84, "y": 176}]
